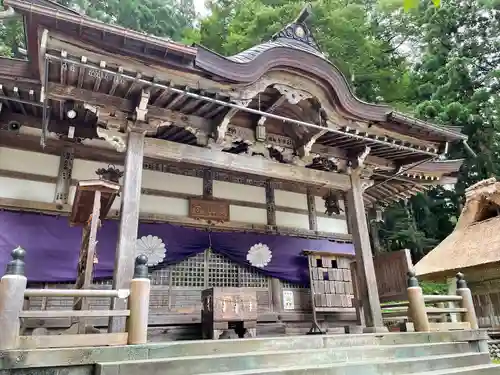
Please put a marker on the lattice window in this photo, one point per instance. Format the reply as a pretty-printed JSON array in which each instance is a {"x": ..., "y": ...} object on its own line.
[
  {"x": 221, "y": 271},
  {"x": 161, "y": 276},
  {"x": 250, "y": 278},
  {"x": 289, "y": 285},
  {"x": 189, "y": 272}
]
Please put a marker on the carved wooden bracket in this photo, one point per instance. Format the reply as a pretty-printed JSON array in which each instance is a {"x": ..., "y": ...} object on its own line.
[
  {"x": 221, "y": 129},
  {"x": 142, "y": 108},
  {"x": 113, "y": 137},
  {"x": 294, "y": 96},
  {"x": 358, "y": 162}
]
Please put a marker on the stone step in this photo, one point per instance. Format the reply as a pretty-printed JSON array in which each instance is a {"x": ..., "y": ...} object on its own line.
[
  {"x": 489, "y": 369},
  {"x": 193, "y": 348},
  {"x": 387, "y": 367},
  {"x": 275, "y": 359},
  {"x": 83, "y": 356}
]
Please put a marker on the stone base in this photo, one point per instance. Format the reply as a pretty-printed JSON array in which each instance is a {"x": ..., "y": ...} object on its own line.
[
  {"x": 375, "y": 330},
  {"x": 353, "y": 330}
]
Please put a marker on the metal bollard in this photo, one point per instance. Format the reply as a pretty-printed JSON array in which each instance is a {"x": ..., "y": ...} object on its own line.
[
  {"x": 138, "y": 303},
  {"x": 12, "y": 288}
]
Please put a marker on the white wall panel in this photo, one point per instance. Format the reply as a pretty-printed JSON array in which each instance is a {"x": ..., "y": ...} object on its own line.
[
  {"x": 289, "y": 199},
  {"x": 248, "y": 214},
  {"x": 332, "y": 225},
  {"x": 247, "y": 193},
  {"x": 28, "y": 162},
  {"x": 85, "y": 169},
  {"x": 291, "y": 220},
  {"x": 28, "y": 190},
  {"x": 172, "y": 182},
  {"x": 164, "y": 205}
]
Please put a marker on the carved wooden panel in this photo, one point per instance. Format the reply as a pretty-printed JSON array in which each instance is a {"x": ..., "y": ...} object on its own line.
[
  {"x": 391, "y": 271},
  {"x": 230, "y": 304},
  {"x": 204, "y": 209},
  {"x": 331, "y": 281}
]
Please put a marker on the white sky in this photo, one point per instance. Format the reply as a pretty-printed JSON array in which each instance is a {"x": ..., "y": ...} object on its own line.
[{"x": 199, "y": 6}]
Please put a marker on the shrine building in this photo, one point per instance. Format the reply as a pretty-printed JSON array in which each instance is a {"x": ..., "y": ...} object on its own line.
[{"x": 226, "y": 171}]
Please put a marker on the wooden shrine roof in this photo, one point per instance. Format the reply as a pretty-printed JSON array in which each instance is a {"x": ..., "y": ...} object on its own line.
[
  {"x": 475, "y": 241},
  {"x": 100, "y": 70}
]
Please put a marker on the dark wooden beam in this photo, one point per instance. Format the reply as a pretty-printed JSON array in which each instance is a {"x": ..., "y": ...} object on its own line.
[
  {"x": 270, "y": 204},
  {"x": 176, "y": 152},
  {"x": 60, "y": 92}
]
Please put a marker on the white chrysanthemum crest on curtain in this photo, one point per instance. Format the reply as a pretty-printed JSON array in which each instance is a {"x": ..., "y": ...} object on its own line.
[
  {"x": 151, "y": 246},
  {"x": 259, "y": 255}
]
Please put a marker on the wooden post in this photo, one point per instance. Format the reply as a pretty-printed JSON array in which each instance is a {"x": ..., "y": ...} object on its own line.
[
  {"x": 360, "y": 315},
  {"x": 270, "y": 204},
  {"x": 86, "y": 258},
  {"x": 64, "y": 176},
  {"x": 129, "y": 223},
  {"x": 311, "y": 208},
  {"x": 208, "y": 184},
  {"x": 452, "y": 290},
  {"x": 138, "y": 303},
  {"x": 467, "y": 302},
  {"x": 12, "y": 288},
  {"x": 367, "y": 281},
  {"x": 276, "y": 294},
  {"x": 416, "y": 308}
]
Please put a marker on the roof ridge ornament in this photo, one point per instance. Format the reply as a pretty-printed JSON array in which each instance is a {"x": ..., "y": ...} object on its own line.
[{"x": 298, "y": 30}]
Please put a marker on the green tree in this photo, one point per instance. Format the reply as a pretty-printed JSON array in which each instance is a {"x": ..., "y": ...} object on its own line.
[
  {"x": 12, "y": 38},
  {"x": 163, "y": 18},
  {"x": 346, "y": 33},
  {"x": 454, "y": 82}
]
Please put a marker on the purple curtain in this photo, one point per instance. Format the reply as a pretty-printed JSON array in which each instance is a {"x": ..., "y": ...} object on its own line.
[
  {"x": 52, "y": 247},
  {"x": 287, "y": 262}
]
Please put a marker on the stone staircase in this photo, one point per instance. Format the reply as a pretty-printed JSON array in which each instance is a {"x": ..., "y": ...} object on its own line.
[
  {"x": 380, "y": 354},
  {"x": 459, "y": 352}
]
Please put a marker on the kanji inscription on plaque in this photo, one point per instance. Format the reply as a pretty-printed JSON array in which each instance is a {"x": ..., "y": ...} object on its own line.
[{"x": 205, "y": 209}]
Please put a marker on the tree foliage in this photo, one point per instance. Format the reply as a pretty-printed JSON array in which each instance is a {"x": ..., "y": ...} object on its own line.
[{"x": 439, "y": 61}]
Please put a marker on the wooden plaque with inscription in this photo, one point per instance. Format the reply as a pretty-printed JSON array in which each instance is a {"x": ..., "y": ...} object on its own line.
[{"x": 205, "y": 209}]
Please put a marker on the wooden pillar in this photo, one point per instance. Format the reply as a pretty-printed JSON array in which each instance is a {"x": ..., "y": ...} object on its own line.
[
  {"x": 467, "y": 302},
  {"x": 311, "y": 208},
  {"x": 452, "y": 290},
  {"x": 416, "y": 307},
  {"x": 86, "y": 258},
  {"x": 276, "y": 294},
  {"x": 270, "y": 204},
  {"x": 367, "y": 281},
  {"x": 64, "y": 176},
  {"x": 129, "y": 223},
  {"x": 138, "y": 303},
  {"x": 12, "y": 288},
  {"x": 275, "y": 284},
  {"x": 208, "y": 184},
  {"x": 374, "y": 227}
]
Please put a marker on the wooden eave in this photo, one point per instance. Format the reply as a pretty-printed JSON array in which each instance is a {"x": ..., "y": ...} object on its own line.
[
  {"x": 279, "y": 56},
  {"x": 113, "y": 38},
  {"x": 15, "y": 70},
  {"x": 205, "y": 63},
  {"x": 186, "y": 118}
]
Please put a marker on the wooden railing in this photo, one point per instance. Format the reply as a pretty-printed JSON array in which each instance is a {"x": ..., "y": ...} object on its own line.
[
  {"x": 424, "y": 313},
  {"x": 13, "y": 291}
]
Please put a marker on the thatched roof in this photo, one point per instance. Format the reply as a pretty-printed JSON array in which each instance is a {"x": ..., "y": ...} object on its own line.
[{"x": 476, "y": 238}]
